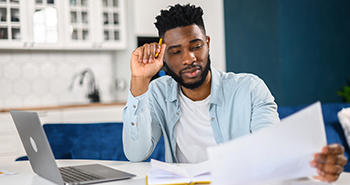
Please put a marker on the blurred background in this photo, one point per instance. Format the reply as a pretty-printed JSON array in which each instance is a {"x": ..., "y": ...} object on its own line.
[
  {"x": 65, "y": 52},
  {"x": 69, "y": 59},
  {"x": 300, "y": 48}
]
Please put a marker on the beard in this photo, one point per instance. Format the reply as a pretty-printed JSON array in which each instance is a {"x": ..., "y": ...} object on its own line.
[{"x": 179, "y": 79}]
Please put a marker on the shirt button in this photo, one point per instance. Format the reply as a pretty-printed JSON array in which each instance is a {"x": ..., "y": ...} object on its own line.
[
  {"x": 177, "y": 113},
  {"x": 134, "y": 106},
  {"x": 132, "y": 123},
  {"x": 212, "y": 118}
]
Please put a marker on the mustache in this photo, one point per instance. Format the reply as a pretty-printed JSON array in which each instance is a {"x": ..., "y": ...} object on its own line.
[{"x": 190, "y": 68}]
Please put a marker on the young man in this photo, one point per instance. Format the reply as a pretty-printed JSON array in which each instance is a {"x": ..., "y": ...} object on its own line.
[{"x": 196, "y": 106}]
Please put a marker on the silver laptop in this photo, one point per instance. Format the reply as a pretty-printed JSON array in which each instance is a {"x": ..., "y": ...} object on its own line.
[{"x": 43, "y": 162}]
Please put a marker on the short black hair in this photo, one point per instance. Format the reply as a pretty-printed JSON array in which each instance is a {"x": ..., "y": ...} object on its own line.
[{"x": 179, "y": 16}]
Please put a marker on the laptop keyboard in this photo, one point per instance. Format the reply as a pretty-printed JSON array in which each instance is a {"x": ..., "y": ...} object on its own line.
[{"x": 71, "y": 174}]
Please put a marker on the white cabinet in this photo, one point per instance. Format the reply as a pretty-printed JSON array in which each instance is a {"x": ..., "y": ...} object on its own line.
[
  {"x": 62, "y": 24},
  {"x": 12, "y": 23}
]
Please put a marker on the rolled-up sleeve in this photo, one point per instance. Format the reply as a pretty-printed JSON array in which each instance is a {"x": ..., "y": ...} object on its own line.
[{"x": 141, "y": 131}]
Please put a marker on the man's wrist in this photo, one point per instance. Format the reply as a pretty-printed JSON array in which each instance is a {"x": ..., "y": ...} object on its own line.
[{"x": 139, "y": 85}]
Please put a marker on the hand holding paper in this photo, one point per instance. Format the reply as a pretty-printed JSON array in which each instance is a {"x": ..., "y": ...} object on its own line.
[
  {"x": 281, "y": 152},
  {"x": 330, "y": 162}
]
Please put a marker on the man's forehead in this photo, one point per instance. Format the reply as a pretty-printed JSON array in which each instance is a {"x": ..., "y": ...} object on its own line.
[{"x": 183, "y": 34}]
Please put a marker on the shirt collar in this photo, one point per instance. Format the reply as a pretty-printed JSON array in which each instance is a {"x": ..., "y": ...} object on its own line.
[
  {"x": 216, "y": 87},
  {"x": 172, "y": 90}
]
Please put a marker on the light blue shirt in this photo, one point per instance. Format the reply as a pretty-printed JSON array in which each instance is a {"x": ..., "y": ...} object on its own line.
[{"x": 240, "y": 104}]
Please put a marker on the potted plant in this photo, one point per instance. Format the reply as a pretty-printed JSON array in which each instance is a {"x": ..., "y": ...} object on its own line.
[{"x": 345, "y": 93}]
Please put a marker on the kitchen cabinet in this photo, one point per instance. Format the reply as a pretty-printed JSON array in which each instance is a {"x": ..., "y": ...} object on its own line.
[{"x": 62, "y": 24}]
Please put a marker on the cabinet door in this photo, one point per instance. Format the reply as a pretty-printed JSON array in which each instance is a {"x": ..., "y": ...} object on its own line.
[
  {"x": 95, "y": 24},
  {"x": 113, "y": 24},
  {"x": 12, "y": 23},
  {"x": 78, "y": 24},
  {"x": 44, "y": 24}
]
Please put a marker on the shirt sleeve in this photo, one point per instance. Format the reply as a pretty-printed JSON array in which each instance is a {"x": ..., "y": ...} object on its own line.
[
  {"x": 141, "y": 129},
  {"x": 264, "y": 108}
]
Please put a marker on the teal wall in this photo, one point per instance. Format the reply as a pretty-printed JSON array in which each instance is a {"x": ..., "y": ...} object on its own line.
[{"x": 300, "y": 48}]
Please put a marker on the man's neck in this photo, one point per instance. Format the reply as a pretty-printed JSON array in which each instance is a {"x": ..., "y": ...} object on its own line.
[{"x": 201, "y": 92}]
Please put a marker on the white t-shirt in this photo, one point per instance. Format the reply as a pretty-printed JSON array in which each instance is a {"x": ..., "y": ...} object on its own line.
[{"x": 193, "y": 131}]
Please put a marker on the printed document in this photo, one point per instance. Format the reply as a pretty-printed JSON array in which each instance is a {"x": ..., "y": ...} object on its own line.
[{"x": 278, "y": 153}]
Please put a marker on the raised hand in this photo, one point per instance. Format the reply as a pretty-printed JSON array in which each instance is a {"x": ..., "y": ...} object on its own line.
[{"x": 144, "y": 65}]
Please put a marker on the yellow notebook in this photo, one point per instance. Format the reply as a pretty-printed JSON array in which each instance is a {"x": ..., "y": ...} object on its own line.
[{"x": 178, "y": 174}]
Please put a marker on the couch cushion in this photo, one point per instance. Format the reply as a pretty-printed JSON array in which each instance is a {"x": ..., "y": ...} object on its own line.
[{"x": 101, "y": 141}]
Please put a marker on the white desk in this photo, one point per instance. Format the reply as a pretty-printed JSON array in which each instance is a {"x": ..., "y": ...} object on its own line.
[{"x": 25, "y": 176}]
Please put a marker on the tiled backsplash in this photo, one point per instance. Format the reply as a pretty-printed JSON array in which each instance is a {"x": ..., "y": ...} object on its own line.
[{"x": 41, "y": 78}]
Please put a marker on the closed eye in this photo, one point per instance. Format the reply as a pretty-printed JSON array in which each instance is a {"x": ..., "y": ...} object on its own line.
[
  {"x": 197, "y": 47},
  {"x": 175, "y": 52}
]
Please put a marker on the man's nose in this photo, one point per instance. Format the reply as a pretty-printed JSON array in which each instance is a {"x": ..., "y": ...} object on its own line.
[{"x": 188, "y": 58}]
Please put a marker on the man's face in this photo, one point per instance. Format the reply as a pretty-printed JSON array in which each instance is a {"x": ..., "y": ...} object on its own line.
[{"x": 187, "y": 55}]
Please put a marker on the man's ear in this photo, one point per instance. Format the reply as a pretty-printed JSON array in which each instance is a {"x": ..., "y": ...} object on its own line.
[{"x": 208, "y": 41}]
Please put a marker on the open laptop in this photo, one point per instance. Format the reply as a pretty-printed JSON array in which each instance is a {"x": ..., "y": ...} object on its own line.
[{"x": 43, "y": 162}]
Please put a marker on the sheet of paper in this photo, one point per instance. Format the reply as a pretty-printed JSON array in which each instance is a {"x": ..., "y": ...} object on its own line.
[
  {"x": 281, "y": 152},
  {"x": 173, "y": 173},
  {"x": 169, "y": 167},
  {"x": 300, "y": 181},
  {"x": 197, "y": 169},
  {"x": 184, "y": 169},
  {"x": 160, "y": 176}
]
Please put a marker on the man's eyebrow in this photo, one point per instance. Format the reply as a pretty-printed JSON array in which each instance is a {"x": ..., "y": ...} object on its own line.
[
  {"x": 174, "y": 46},
  {"x": 177, "y": 46},
  {"x": 195, "y": 40}
]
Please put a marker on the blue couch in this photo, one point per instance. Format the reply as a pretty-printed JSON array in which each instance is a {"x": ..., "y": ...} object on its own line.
[{"x": 104, "y": 140}]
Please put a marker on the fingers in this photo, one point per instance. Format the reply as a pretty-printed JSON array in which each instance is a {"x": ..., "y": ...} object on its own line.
[
  {"x": 327, "y": 178},
  {"x": 328, "y": 168},
  {"x": 333, "y": 149},
  {"x": 330, "y": 162},
  {"x": 330, "y": 159},
  {"x": 161, "y": 52},
  {"x": 152, "y": 52},
  {"x": 147, "y": 53},
  {"x": 329, "y": 173}
]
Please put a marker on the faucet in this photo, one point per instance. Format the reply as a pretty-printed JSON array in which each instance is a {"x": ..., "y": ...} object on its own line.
[{"x": 93, "y": 93}]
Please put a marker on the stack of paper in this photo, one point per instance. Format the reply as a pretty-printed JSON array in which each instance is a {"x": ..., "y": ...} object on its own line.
[
  {"x": 171, "y": 173},
  {"x": 281, "y": 152}
]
